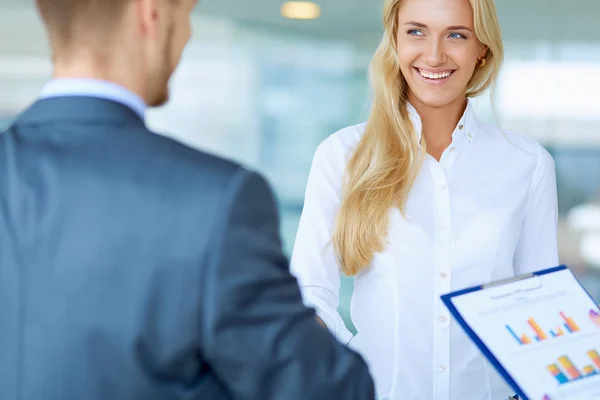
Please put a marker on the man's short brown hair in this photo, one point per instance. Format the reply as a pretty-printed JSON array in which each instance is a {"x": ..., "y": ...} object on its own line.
[{"x": 68, "y": 20}]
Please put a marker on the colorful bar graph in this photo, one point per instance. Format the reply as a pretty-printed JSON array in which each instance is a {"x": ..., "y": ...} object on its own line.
[
  {"x": 595, "y": 317},
  {"x": 572, "y": 373},
  {"x": 541, "y": 335}
]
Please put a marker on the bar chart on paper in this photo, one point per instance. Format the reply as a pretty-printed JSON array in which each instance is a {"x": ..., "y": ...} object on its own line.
[
  {"x": 565, "y": 371},
  {"x": 565, "y": 325},
  {"x": 544, "y": 334},
  {"x": 566, "y": 357}
]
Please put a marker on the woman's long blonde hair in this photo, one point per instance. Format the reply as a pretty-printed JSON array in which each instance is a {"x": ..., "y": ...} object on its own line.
[{"x": 384, "y": 165}]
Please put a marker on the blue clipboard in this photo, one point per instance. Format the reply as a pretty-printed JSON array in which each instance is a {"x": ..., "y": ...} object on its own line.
[{"x": 447, "y": 299}]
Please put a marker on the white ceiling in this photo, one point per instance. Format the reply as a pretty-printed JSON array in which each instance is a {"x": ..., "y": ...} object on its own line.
[
  {"x": 520, "y": 19},
  {"x": 338, "y": 17},
  {"x": 360, "y": 20}
]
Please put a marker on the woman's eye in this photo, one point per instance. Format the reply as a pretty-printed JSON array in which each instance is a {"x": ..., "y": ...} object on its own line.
[
  {"x": 457, "y": 36},
  {"x": 415, "y": 32}
]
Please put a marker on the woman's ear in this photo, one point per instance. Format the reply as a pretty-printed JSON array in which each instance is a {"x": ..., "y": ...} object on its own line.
[{"x": 484, "y": 52}]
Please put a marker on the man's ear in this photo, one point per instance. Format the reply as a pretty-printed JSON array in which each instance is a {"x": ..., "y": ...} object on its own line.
[{"x": 147, "y": 12}]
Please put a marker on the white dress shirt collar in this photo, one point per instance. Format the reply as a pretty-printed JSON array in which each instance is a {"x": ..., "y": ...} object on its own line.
[
  {"x": 466, "y": 127},
  {"x": 94, "y": 88}
]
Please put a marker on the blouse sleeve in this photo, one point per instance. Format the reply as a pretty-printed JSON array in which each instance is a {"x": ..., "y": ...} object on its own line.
[
  {"x": 537, "y": 247},
  {"x": 314, "y": 261}
]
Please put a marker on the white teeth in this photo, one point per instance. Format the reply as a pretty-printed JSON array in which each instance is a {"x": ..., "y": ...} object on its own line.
[{"x": 431, "y": 75}]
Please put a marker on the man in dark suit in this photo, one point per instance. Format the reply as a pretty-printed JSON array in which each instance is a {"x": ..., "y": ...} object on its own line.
[{"x": 133, "y": 267}]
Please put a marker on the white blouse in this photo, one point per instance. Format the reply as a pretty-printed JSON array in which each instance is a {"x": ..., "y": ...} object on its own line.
[{"x": 486, "y": 211}]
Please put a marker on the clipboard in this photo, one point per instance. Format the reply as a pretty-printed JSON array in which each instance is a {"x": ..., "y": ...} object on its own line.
[{"x": 506, "y": 294}]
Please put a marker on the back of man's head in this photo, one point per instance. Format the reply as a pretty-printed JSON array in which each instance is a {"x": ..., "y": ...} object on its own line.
[
  {"x": 91, "y": 21},
  {"x": 135, "y": 43}
]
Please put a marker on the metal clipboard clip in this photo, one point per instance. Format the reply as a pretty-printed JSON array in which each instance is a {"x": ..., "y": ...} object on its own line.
[{"x": 517, "y": 284}]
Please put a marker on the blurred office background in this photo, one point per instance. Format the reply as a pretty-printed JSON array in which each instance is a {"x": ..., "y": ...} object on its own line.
[{"x": 265, "y": 90}]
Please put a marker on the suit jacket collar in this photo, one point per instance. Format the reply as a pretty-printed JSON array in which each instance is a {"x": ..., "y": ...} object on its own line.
[{"x": 79, "y": 109}]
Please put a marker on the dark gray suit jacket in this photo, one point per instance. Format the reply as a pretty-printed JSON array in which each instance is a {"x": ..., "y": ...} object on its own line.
[{"x": 133, "y": 267}]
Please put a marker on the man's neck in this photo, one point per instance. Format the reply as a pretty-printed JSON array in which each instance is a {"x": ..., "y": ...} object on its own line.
[{"x": 89, "y": 70}]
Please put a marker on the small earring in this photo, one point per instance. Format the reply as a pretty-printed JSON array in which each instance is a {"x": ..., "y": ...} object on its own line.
[{"x": 482, "y": 62}]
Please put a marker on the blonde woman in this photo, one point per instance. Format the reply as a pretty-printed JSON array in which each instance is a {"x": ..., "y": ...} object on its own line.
[{"x": 423, "y": 199}]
